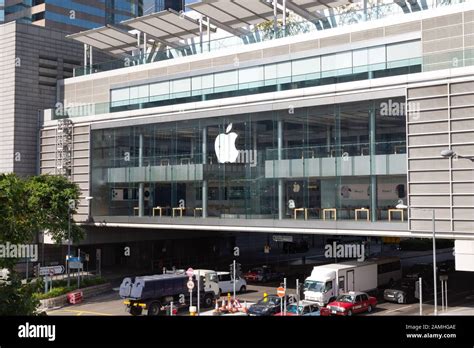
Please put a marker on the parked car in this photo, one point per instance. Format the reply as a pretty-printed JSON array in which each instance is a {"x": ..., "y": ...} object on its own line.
[
  {"x": 305, "y": 308},
  {"x": 226, "y": 283},
  {"x": 268, "y": 305},
  {"x": 404, "y": 291},
  {"x": 351, "y": 303},
  {"x": 262, "y": 274}
]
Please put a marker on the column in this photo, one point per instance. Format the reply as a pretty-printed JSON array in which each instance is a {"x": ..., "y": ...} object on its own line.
[
  {"x": 373, "y": 176},
  {"x": 281, "y": 205},
  {"x": 141, "y": 198},
  {"x": 204, "y": 181}
]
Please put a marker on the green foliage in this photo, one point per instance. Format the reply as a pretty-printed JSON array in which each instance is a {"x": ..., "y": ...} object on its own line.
[
  {"x": 293, "y": 27},
  {"x": 60, "y": 287},
  {"x": 17, "y": 298},
  {"x": 28, "y": 206},
  {"x": 50, "y": 195}
]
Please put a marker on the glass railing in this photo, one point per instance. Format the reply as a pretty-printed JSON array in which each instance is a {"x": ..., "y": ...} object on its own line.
[
  {"x": 302, "y": 152},
  {"x": 356, "y": 73},
  {"x": 337, "y": 151},
  {"x": 332, "y": 20},
  {"x": 153, "y": 161}
]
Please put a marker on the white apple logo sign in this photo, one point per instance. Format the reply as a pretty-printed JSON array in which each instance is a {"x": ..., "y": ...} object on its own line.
[{"x": 224, "y": 146}]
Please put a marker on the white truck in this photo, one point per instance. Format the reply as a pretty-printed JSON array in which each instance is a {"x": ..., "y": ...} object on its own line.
[{"x": 326, "y": 282}]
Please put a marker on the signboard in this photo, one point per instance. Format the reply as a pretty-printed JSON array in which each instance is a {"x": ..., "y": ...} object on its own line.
[
  {"x": 278, "y": 238},
  {"x": 190, "y": 285},
  {"x": 75, "y": 265},
  {"x": 74, "y": 259},
  {"x": 281, "y": 292},
  {"x": 391, "y": 240},
  {"x": 44, "y": 271}
]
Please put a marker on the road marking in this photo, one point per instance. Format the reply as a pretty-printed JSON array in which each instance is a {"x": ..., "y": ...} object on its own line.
[
  {"x": 77, "y": 312},
  {"x": 396, "y": 310}
]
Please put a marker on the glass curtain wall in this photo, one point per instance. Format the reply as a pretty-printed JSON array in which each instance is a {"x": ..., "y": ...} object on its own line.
[{"x": 342, "y": 162}]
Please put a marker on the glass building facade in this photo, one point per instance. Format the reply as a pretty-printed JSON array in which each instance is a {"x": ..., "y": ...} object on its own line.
[
  {"x": 72, "y": 15},
  {"x": 343, "y": 162}
]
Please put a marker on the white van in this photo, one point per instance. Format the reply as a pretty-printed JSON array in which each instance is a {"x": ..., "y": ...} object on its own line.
[
  {"x": 210, "y": 278},
  {"x": 226, "y": 283}
]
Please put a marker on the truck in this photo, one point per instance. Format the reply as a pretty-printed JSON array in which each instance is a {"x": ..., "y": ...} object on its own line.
[
  {"x": 326, "y": 282},
  {"x": 156, "y": 292}
]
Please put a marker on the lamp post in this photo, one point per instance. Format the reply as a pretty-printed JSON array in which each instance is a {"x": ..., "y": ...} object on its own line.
[
  {"x": 71, "y": 205},
  {"x": 448, "y": 153},
  {"x": 70, "y": 208},
  {"x": 403, "y": 206}
]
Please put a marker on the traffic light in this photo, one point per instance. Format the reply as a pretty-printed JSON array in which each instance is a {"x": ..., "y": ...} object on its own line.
[
  {"x": 36, "y": 270},
  {"x": 238, "y": 270}
]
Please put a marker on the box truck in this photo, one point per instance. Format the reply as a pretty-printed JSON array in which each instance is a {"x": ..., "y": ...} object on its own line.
[{"x": 326, "y": 282}]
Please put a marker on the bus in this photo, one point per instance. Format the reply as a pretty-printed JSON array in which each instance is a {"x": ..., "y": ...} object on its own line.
[{"x": 389, "y": 270}]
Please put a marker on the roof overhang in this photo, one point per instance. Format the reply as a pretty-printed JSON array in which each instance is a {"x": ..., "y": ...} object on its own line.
[{"x": 109, "y": 39}]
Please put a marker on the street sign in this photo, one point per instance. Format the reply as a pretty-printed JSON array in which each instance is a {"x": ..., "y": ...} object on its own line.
[
  {"x": 74, "y": 259},
  {"x": 278, "y": 238},
  {"x": 190, "y": 285},
  {"x": 75, "y": 265},
  {"x": 190, "y": 272},
  {"x": 281, "y": 291},
  {"x": 45, "y": 271}
]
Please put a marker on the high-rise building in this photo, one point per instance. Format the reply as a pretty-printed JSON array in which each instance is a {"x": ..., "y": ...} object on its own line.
[
  {"x": 150, "y": 6},
  {"x": 69, "y": 15}
]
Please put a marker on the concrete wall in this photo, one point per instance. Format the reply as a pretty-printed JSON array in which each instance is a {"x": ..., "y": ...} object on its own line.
[{"x": 32, "y": 59}]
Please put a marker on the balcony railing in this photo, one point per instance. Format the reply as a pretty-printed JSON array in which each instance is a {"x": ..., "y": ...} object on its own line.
[{"x": 334, "y": 20}]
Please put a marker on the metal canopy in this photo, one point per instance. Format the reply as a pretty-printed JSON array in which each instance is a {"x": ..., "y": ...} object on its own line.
[
  {"x": 309, "y": 9},
  {"x": 108, "y": 38},
  {"x": 167, "y": 26},
  {"x": 233, "y": 15}
]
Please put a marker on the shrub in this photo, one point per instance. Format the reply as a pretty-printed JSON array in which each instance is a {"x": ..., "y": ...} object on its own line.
[{"x": 60, "y": 287}]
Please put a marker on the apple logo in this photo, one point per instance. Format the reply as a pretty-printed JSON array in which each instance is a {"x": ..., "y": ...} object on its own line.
[{"x": 224, "y": 146}]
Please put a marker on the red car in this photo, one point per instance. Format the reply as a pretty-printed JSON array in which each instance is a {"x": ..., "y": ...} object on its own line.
[
  {"x": 262, "y": 274},
  {"x": 351, "y": 303}
]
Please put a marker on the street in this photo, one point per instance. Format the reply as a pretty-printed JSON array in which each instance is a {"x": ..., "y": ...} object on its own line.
[{"x": 460, "y": 301}]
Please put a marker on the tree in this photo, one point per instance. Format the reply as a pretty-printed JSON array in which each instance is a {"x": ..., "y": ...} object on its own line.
[
  {"x": 293, "y": 27},
  {"x": 26, "y": 207},
  {"x": 50, "y": 194}
]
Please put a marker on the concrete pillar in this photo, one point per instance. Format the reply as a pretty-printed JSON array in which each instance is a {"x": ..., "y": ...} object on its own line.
[
  {"x": 204, "y": 181},
  {"x": 281, "y": 205},
  {"x": 141, "y": 189},
  {"x": 373, "y": 176}
]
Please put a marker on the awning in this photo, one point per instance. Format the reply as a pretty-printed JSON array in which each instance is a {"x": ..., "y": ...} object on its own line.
[
  {"x": 167, "y": 27},
  {"x": 312, "y": 10},
  {"x": 108, "y": 38},
  {"x": 234, "y": 15}
]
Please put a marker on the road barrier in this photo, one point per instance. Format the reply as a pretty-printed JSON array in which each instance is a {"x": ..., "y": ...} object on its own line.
[{"x": 75, "y": 297}]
